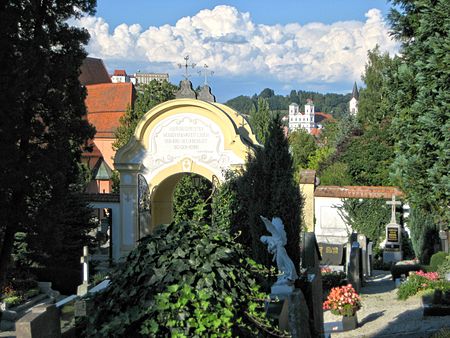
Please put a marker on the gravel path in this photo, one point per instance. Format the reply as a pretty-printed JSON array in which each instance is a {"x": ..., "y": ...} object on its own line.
[{"x": 383, "y": 316}]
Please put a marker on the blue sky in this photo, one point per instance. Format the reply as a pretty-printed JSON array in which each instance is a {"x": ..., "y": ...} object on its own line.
[{"x": 250, "y": 45}]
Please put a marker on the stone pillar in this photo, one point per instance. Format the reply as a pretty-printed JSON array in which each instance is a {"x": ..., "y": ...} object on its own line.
[
  {"x": 307, "y": 187},
  {"x": 128, "y": 234}
]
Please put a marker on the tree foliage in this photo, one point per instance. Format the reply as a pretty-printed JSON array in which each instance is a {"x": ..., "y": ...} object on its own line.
[
  {"x": 302, "y": 145},
  {"x": 190, "y": 199},
  {"x": 267, "y": 188},
  {"x": 374, "y": 106},
  {"x": 151, "y": 95},
  {"x": 42, "y": 124},
  {"x": 185, "y": 280},
  {"x": 422, "y": 103},
  {"x": 367, "y": 216},
  {"x": 260, "y": 119},
  {"x": 336, "y": 104}
]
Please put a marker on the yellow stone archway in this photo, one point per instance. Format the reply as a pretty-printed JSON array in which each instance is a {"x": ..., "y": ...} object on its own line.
[{"x": 176, "y": 137}]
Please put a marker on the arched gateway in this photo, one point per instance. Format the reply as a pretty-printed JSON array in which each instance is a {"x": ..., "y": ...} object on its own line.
[{"x": 176, "y": 137}]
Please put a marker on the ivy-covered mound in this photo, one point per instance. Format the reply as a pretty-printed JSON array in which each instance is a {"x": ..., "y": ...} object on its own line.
[{"x": 185, "y": 280}]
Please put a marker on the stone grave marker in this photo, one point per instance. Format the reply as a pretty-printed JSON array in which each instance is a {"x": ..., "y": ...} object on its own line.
[
  {"x": 42, "y": 322},
  {"x": 332, "y": 254},
  {"x": 354, "y": 273},
  {"x": 310, "y": 260},
  {"x": 370, "y": 259},
  {"x": 363, "y": 241},
  {"x": 393, "y": 248}
]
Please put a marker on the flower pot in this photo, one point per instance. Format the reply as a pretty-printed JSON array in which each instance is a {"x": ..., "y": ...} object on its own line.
[{"x": 349, "y": 323}]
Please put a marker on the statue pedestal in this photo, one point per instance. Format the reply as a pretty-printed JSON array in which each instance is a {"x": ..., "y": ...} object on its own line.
[{"x": 281, "y": 291}]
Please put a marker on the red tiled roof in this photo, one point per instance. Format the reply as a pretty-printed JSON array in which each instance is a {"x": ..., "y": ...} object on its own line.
[
  {"x": 315, "y": 131},
  {"x": 320, "y": 116},
  {"x": 119, "y": 72},
  {"x": 93, "y": 71},
  {"x": 106, "y": 103},
  {"x": 105, "y": 123},
  {"x": 91, "y": 157},
  {"x": 357, "y": 192},
  {"x": 109, "y": 97}
]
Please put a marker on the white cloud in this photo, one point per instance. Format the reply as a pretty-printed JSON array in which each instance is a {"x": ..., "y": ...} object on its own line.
[{"x": 232, "y": 44}]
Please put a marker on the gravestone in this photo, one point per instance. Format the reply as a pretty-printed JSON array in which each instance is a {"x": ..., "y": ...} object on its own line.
[
  {"x": 354, "y": 272},
  {"x": 310, "y": 260},
  {"x": 298, "y": 321},
  {"x": 332, "y": 254},
  {"x": 370, "y": 259},
  {"x": 363, "y": 242},
  {"x": 393, "y": 248},
  {"x": 42, "y": 322}
]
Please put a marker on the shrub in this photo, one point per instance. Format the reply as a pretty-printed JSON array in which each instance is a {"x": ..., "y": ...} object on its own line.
[
  {"x": 437, "y": 259},
  {"x": 333, "y": 279},
  {"x": 13, "y": 300},
  {"x": 424, "y": 234},
  {"x": 444, "y": 268},
  {"x": 186, "y": 279},
  {"x": 412, "y": 286}
]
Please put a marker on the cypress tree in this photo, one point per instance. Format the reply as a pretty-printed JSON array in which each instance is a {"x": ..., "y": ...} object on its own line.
[{"x": 267, "y": 188}]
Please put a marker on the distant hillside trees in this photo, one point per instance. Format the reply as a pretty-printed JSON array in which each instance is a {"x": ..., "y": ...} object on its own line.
[{"x": 335, "y": 104}]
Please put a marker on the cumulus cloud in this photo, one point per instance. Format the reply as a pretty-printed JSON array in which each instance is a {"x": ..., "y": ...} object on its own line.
[{"x": 232, "y": 44}]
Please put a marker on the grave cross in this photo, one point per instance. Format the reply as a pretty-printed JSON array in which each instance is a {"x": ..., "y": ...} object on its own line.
[
  {"x": 186, "y": 66},
  {"x": 393, "y": 204},
  {"x": 206, "y": 72},
  {"x": 85, "y": 262}
]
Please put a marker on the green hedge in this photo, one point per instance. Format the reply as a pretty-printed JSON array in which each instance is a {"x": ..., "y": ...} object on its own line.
[{"x": 437, "y": 260}]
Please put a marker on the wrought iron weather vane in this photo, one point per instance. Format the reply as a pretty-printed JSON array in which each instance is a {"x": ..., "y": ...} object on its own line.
[
  {"x": 206, "y": 73},
  {"x": 186, "y": 66}
]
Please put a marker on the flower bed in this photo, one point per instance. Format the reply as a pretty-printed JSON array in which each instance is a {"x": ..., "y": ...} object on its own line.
[
  {"x": 18, "y": 291},
  {"x": 422, "y": 281}
]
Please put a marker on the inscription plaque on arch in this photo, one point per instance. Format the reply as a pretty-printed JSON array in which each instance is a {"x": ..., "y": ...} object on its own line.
[{"x": 182, "y": 134}]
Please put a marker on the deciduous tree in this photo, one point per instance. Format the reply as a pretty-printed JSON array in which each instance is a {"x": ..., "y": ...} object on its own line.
[{"x": 152, "y": 94}]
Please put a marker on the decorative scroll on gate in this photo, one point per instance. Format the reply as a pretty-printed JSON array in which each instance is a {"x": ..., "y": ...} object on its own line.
[{"x": 144, "y": 206}]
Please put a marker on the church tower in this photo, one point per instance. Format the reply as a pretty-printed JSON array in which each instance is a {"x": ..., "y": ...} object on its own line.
[{"x": 354, "y": 101}]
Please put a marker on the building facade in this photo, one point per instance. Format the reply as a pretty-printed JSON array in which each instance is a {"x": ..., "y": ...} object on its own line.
[
  {"x": 120, "y": 76},
  {"x": 304, "y": 120},
  {"x": 139, "y": 78}
]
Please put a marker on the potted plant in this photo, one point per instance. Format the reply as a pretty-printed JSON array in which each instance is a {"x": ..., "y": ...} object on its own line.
[{"x": 344, "y": 301}]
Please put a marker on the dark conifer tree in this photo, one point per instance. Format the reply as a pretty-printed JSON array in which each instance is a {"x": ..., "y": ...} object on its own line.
[
  {"x": 267, "y": 188},
  {"x": 42, "y": 112}
]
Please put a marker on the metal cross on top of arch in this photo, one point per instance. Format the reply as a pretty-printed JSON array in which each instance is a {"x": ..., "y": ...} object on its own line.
[
  {"x": 186, "y": 66},
  {"x": 206, "y": 73}
]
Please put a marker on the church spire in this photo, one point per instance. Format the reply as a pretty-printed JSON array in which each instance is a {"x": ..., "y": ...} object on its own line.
[{"x": 355, "y": 92}]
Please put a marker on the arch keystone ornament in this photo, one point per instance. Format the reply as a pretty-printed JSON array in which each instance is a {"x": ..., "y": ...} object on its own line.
[{"x": 174, "y": 138}]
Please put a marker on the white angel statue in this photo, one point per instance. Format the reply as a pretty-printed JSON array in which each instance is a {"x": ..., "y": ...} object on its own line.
[{"x": 276, "y": 243}]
